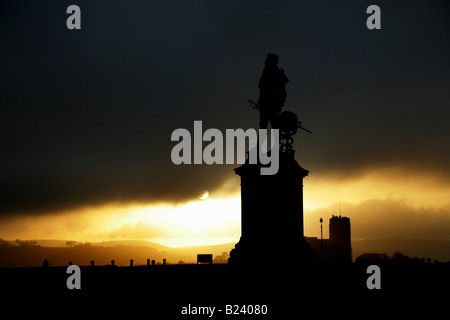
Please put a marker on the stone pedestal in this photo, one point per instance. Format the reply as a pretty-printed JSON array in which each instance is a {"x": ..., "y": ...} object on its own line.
[{"x": 272, "y": 215}]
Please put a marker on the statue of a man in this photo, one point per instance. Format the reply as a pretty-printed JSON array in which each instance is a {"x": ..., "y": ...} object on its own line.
[{"x": 272, "y": 92}]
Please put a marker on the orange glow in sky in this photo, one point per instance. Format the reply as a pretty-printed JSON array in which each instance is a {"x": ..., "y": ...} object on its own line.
[
  {"x": 214, "y": 218},
  {"x": 200, "y": 222}
]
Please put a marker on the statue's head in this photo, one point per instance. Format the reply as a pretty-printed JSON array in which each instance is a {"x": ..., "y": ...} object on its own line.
[{"x": 271, "y": 60}]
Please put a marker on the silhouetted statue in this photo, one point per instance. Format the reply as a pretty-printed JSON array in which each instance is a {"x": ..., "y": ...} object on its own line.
[
  {"x": 131, "y": 262},
  {"x": 273, "y": 202},
  {"x": 164, "y": 261},
  {"x": 45, "y": 263},
  {"x": 272, "y": 92},
  {"x": 112, "y": 262},
  {"x": 92, "y": 263}
]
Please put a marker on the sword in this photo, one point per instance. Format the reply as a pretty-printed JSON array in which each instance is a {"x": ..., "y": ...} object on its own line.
[
  {"x": 300, "y": 127},
  {"x": 253, "y": 104}
]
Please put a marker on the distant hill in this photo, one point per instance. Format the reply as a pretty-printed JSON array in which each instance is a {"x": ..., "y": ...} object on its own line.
[
  {"x": 32, "y": 253},
  {"x": 138, "y": 243},
  {"x": 64, "y": 243}
]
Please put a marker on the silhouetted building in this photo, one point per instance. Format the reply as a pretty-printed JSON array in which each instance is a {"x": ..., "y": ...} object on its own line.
[
  {"x": 340, "y": 238},
  {"x": 338, "y": 248},
  {"x": 204, "y": 258}
]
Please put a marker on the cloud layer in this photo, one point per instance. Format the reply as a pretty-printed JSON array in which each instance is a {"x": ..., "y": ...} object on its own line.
[{"x": 86, "y": 117}]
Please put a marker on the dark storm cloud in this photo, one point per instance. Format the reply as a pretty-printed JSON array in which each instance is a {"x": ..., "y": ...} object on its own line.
[{"x": 86, "y": 116}]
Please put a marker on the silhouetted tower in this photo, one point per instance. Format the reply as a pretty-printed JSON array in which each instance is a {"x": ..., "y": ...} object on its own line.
[
  {"x": 321, "y": 240},
  {"x": 340, "y": 237}
]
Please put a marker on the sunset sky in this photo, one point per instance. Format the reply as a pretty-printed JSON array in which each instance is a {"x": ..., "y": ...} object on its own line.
[{"x": 86, "y": 115}]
